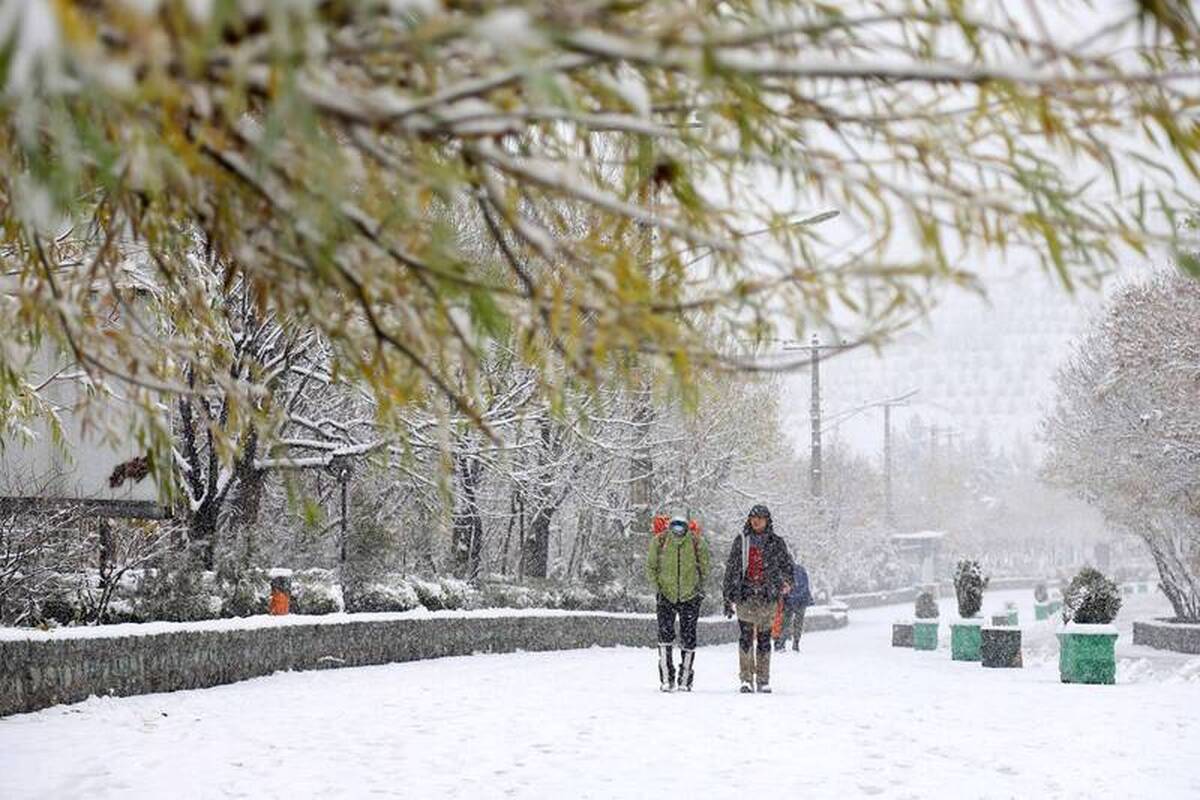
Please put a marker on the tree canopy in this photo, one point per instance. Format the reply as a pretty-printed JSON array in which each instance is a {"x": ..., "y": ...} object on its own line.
[{"x": 598, "y": 185}]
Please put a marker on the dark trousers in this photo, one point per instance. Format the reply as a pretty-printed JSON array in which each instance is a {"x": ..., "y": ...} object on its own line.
[
  {"x": 687, "y": 612},
  {"x": 747, "y": 638},
  {"x": 793, "y": 623}
]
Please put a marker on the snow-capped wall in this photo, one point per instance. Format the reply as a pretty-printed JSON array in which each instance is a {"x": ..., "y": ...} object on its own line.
[
  {"x": 40, "y": 669},
  {"x": 1167, "y": 635}
]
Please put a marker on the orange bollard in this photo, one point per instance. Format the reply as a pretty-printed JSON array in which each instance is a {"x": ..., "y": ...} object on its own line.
[
  {"x": 281, "y": 597},
  {"x": 279, "y": 602}
]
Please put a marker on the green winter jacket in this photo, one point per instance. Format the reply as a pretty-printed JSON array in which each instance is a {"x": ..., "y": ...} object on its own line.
[{"x": 676, "y": 566}]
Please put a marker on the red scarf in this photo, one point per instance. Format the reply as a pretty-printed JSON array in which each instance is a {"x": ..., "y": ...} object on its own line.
[{"x": 754, "y": 565}]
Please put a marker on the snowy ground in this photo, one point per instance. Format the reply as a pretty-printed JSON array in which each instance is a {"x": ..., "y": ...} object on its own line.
[{"x": 850, "y": 716}]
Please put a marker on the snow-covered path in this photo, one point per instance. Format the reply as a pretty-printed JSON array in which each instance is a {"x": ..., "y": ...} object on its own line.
[{"x": 850, "y": 717}]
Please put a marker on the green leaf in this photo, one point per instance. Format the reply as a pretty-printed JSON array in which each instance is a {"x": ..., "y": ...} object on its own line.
[
  {"x": 487, "y": 316},
  {"x": 1189, "y": 263}
]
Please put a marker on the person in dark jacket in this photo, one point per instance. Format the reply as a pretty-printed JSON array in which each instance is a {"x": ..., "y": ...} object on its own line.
[
  {"x": 757, "y": 574},
  {"x": 794, "y": 605}
]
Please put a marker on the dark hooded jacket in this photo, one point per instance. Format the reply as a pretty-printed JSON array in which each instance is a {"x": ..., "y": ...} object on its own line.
[{"x": 777, "y": 566}]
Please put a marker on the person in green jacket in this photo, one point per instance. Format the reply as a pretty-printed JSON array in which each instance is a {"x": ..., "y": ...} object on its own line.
[{"x": 676, "y": 567}]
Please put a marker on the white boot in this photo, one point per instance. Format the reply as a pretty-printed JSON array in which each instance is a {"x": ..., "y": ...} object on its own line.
[
  {"x": 666, "y": 666},
  {"x": 685, "y": 670}
]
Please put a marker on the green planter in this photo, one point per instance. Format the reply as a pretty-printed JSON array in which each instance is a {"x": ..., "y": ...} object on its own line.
[
  {"x": 1013, "y": 617},
  {"x": 1087, "y": 654},
  {"x": 965, "y": 639},
  {"x": 1143, "y": 588},
  {"x": 1041, "y": 611},
  {"x": 925, "y": 634}
]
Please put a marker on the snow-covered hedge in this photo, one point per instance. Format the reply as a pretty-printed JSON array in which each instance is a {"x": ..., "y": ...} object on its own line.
[
  {"x": 177, "y": 596},
  {"x": 388, "y": 594},
  {"x": 315, "y": 591}
]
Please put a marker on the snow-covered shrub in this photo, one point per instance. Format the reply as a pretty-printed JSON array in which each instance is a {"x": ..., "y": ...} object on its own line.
[
  {"x": 611, "y": 596},
  {"x": 314, "y": 591},
  {"x": 1091, "y": 598},
  {"x": 575, "y": 598},
  {"x": 246, "y": 593},
  {"x": 926, "y": 606},
  {"x": 177, "y": 593},
  {"x": 389, "y": 593},
  {"x": 456, "y": 593},
  {"x": 430, "y": 593},
  {"x": 1040, "y": 593},
  {"x": 969, "y": 583},
  {"x": 506, "y": 595},
  {"x": 57, "y": 610}
]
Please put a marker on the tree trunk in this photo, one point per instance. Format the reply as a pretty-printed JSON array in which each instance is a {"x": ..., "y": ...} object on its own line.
[
  {"x": 536, "y": 555},
  {"x": 641, "y": 465},
  {"x": 203, "y": 532},
  {"x": 250, "y": 485},
  {"x": 467, "y": 525}
]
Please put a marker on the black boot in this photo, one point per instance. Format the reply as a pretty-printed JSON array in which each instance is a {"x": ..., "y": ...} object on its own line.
[
  {"x": 686, "y": 660},
  {"x": 666, "y": 667}
]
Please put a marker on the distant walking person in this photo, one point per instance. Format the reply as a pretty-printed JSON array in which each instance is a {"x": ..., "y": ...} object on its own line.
[
  {"x": 757, "y": 574},
  {"x": 677, "y": 564},
  {"x": 794, "y": 605}
]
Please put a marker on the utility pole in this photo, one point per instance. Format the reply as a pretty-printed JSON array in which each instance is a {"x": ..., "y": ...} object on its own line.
[
  {"x": 889, "y": 505},
  {"x": 889, "y": 512},
  {"x": 815, "y": 486},
  {"x": 815, "y": 349}
]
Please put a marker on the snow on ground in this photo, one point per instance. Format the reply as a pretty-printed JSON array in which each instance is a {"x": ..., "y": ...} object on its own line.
[{"x": 850, "y": 716}]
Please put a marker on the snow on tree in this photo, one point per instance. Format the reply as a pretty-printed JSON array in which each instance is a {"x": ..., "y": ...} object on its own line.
[
  {"x": 328, "y": 151},
  {"x": 1124, "y": 432}
]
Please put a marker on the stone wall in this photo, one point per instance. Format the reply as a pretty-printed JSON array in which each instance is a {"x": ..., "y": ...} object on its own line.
[
  {"x": 42, "y": 672},
  {"x": 945, "y": 589},
  {"x": 1166, "y": 635}
]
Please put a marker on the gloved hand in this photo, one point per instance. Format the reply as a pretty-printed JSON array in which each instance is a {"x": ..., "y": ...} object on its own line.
[{"x": 728, "y": 609}]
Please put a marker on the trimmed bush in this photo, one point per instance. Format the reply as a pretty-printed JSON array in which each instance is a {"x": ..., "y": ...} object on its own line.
[
  {"x": 456, "y": 593},
  {"x": 430, "y": 593},
  {"x": 391, "y": 593},
  {"x": 1091, "y": 598},
  {"x": 969, "y": 583},
  {"x": 177, "y": 594},
  {"x": 314, "y": 591},
  {"x": 1040, "y": 593},
  {"x": 507, "y": 595},
  {"x": 926, "y": 606},
  {"x": 246, "y": 594}
]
